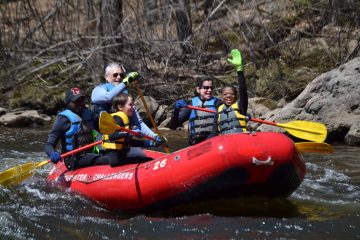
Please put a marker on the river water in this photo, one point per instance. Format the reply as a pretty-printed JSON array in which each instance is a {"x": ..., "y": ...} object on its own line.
[{"x": 326, "y": 205}]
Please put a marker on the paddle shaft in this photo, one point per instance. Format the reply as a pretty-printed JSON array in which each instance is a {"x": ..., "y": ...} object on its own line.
[
  {"x": 74, "y": 151},
  {"x": 167, "y": 150},
  {"x": 133, "y": 132},
  {"x": 80, "y": 149},
  {"x": 257, "y": 120},
  {"x": 17, "y": 174}
]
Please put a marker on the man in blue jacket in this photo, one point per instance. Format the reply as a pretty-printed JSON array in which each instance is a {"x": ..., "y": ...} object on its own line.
[{"x": 117, "y": 81}]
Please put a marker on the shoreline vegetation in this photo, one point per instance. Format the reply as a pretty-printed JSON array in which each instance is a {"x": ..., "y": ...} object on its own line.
[{"x": 49, "y": 46}]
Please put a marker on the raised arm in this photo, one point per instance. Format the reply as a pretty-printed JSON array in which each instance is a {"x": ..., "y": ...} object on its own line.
[
  {"x": 236, "y": 61},
  {"x": 100, "y": 95},
  {"x": 243, "y": 96}
]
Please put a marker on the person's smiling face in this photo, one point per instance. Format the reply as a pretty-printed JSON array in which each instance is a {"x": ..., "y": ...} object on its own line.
[
  {"x": 228, "y": 96},
  {"x": 128, "y": 108},
  {"x": 205, "y": 90},
  {"x": 115, "y": 75}
]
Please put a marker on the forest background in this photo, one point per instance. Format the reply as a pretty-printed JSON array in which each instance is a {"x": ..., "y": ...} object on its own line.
[{"x": 49, "y": 46}]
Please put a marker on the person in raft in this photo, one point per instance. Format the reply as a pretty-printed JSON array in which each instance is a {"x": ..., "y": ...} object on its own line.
[
  {"x": 230, "y": 116},
  {"x": 117, "y": 82},
  {"x": 200, "y": 123},
  {"x": 74, "y": 128},
  {"x": 117, "y": 145}
]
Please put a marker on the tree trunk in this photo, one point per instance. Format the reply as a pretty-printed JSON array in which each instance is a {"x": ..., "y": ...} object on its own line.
[
  {"x": 208, "y": 5},
  {"x": 112, "y": 15},
  {"x": 183, "y": 24}
]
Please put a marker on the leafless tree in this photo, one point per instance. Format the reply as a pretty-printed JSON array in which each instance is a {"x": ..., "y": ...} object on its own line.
[{"x": 56, "y": 43}]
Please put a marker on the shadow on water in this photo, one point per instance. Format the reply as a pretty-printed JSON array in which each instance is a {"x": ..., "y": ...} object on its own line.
[
  {"x": 246, "y": 207},
  {"x": 250, "y": 207}
]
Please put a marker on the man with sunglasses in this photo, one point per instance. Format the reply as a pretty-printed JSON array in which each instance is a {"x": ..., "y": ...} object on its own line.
[
  {"x": 117, "y": 81},
  {"x": 200, "y": 122},
  {"x": 203, "y": 125}
]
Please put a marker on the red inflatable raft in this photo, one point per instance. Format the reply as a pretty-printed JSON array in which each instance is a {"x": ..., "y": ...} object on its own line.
[{"x": 264, "y": 164}]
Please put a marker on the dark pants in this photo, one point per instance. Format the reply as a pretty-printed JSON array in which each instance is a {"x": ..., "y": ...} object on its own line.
[
  {"x": 86, "y": 160},
  {"x": 123, "y": 157}
]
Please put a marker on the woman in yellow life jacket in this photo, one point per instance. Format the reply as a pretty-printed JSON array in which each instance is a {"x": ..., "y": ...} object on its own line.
[
  {"x": 117, "y": 145},
  {"x": 230, "y": 115}
]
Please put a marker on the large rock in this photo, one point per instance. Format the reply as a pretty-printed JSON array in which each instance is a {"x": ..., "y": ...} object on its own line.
[
  {"x": 151, "y": 104},
  {"x": 332, "y": 98},
  {"x": 2, "y": 111},
  {"x": 27, "y": 118}
]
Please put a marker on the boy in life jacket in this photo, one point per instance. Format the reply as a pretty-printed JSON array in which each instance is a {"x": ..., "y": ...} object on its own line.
[
  {"x": 117, "y": 145},
  {"x": 230, "y": 115},
  {"x": 74, "y": 128}
]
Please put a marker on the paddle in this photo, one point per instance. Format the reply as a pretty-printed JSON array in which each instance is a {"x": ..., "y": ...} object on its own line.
[
  {"x": 311, "y": 131},
  {"x": 166, "y": 147},
  {"x": 107, "y": 125},
  {"x": 15, "y": 175},
  {"x": 314, "y": 147}
]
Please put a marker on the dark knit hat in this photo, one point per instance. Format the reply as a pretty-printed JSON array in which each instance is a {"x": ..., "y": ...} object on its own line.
[{"x": 73, "y": 94}]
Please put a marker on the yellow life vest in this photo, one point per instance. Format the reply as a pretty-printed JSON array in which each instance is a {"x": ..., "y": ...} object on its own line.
[
  {"x": 119, "y": 143},
  {"x": 230, "y": 120}
]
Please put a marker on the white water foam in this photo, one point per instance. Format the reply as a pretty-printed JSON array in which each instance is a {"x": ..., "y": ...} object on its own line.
[{"x": 327, "y": 185}]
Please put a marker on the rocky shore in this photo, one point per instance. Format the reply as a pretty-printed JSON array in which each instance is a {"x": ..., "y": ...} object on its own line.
[{"x": 333, "y": 98}]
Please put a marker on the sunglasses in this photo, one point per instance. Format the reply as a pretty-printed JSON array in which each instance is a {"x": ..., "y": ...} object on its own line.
[
  {"x": 207, "y": 87},
  {"x": 122, "y": 75}
]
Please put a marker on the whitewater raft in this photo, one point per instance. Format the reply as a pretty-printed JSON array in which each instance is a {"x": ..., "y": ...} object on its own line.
[{"x": 264, "y": 164}]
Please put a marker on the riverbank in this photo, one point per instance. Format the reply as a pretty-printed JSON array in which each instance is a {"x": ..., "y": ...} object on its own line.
[{"x": 331, "y": 98}]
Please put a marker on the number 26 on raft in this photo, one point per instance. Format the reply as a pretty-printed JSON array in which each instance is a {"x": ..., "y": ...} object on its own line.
[{"x": 159, "y": 164}]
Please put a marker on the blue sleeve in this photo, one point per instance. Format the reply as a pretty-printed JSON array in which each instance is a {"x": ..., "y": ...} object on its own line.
[
  {"x": 57, "y": 132},
  {"x": 100, "y": 95},
  {"x": 137, "y": 121},
  {"x": 178, "y": 119}
]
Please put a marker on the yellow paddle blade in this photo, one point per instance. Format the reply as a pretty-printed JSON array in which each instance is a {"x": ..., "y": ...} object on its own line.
[
  {"x": 107, "y": 124},
  {"x": 312, "y": 131},
  {"x": 15, "y": 175},
  {"x": 314, "y": 147}
]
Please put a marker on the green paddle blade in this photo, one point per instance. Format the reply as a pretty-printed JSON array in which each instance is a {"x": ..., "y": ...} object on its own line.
[
  {"x": 16, "y": 175},
  {"x": 312, "y": 131},
  {"x": 107, "y": 124},
  {"x": 314, "y": 147}
]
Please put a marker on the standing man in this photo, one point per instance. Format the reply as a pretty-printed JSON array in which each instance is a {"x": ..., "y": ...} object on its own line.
[
  {"x": 116, "y": 82},
  {"x": 74, "y": 128},
  {"x": 201, "y": 123}
]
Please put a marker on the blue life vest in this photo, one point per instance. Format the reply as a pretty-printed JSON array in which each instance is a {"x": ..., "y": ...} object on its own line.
[
  {"x": 96, "y": 107},
  {"x": 80, "y": 132},
  {"x": 201, "y": 123}
]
